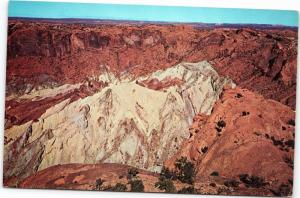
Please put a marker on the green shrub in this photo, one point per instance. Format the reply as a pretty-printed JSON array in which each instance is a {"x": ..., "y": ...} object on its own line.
[
  {"x": 185, "y": 170},
  {"x": 188, "y": 190},
  {"x": 117, "y": 188},
  {"x": 290, "y": 143},
  {"x": 221, "y": 124},
  {"x": 132, "y": 172},
  {"x": 137, "y": 186},
  {"x": 204, "y": 149},
  {"x": 232, "y": 183},
  {"x": 99, "y": 183},
  {"x": 167, "y": 174},
  {"x": 215, "y": 174},
  {"x": 238, "y": 95},
  {"x": 252, "y": 181},
  {"x": 289, "y": 161},
  {"x": 166, "y": 185},
  {"x": 291, "y": 122},
  {"x": 283, "y": 190}
]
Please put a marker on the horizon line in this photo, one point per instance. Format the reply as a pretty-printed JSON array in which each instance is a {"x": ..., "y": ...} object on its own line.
[
  {"x": 148, "y": 21},
  {"x": 178, "y": 14}
]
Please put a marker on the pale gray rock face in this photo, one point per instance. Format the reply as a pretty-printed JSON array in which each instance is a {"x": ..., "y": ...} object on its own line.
[{"x": 124, "y": 122}]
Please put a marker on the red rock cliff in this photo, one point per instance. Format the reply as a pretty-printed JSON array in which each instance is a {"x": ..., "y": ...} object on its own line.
[{"x": 52, "y": 53}]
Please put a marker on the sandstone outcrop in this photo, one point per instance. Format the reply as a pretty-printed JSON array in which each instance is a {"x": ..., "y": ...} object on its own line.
[
  {"x": 52, "y": 54},
  {"x": 245, "y": 134},
  {"x": 87, "y": 177},
  {"x": 30, "y": 106},
  {"x": 123, "y": 122}
]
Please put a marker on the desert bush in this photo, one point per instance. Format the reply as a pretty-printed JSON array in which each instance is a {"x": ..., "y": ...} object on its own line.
[
  {"x": 289, "y": 161},
  {"x": 252, "y": 181},
  {"x": 204, "y": 149},
  {"x": 99, "y": 183},
  {"x": 283, "y": 190},
  {"x": 215, "y": 173},
  {"x": 244, "y": 113},
  {"x": 291, "y": 122},
  {"x": 137, "y": 186},
  {"x": 221, "y": 124},
  {"x": 132, "y": 172},
  {"x": 231, "y": 183},
  {"x": 166, "y": 185},
  {"x": 185, "y": 170},
  {"x": 238, "y": 95},
  {"x": 188, "y": 190},
  {"x": 167, "y": 174},
  {"x": 117, "y": 188},
  {"x": 290, "y": 143}
]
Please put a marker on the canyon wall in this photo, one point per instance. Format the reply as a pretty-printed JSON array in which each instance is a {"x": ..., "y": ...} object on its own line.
[{"x": 51, "y": 54}]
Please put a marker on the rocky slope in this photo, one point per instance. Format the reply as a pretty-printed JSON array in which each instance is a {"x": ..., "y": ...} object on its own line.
[
  {"x": 125, "y": 122},
  {"x": 87, "y": 177},
  {"x": 245, "y": 134},
  {"x": 53, "y": 54}
]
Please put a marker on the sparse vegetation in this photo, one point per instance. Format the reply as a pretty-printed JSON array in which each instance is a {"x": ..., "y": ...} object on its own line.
[
  {"x": 252, "y": 181},
  {"x": 231, "y": 183},
  {"x": 132, "y": 172},
  {"x": 218, "y": 129},
  {"x": 238, "y": 95},
  {"x": 220, "y": 125},
  {"x": 185, "y": 170},
  {"x": 290, "y": 143},
  {"x": 291, "y": 122},
  {"x": 281, "y": 143},
  {"x": 204, "y": 149},
  {"x": 166, "y": 185},
  {"x": 283, "y": 190},
  {"x": 244, "y": 113},
  {"x": 215, "y": 173},
  {"x": 276, "y": 142},
  {"x": 167, "y": 174},
  {"x": 99, "y": 183},
  {"x": 187, "y": 190},
  {"x": 136, "y": 185},
  {"x": 117, "y": 188},
  {"x": 267, "y": 136},
  {"x": 288, "y": 161}
]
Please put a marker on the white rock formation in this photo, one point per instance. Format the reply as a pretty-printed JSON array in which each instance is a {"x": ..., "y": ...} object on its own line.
[{"x": 125, "y": 122}]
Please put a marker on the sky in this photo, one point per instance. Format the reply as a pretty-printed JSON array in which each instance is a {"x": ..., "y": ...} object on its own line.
[{"x": 34, "y": 9}]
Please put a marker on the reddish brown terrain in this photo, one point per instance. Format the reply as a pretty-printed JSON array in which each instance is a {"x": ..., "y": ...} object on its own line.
[
  {"x": 239, "y": 138},
  {"x": 245, "y": 134},
  {"x": 84, "y": 177},
  {"x": 263, "y": 61},
  {"x": 86, "y": 104}
]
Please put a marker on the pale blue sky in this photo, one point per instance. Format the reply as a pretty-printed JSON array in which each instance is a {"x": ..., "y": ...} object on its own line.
[{"x": 33, "y": 9}]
